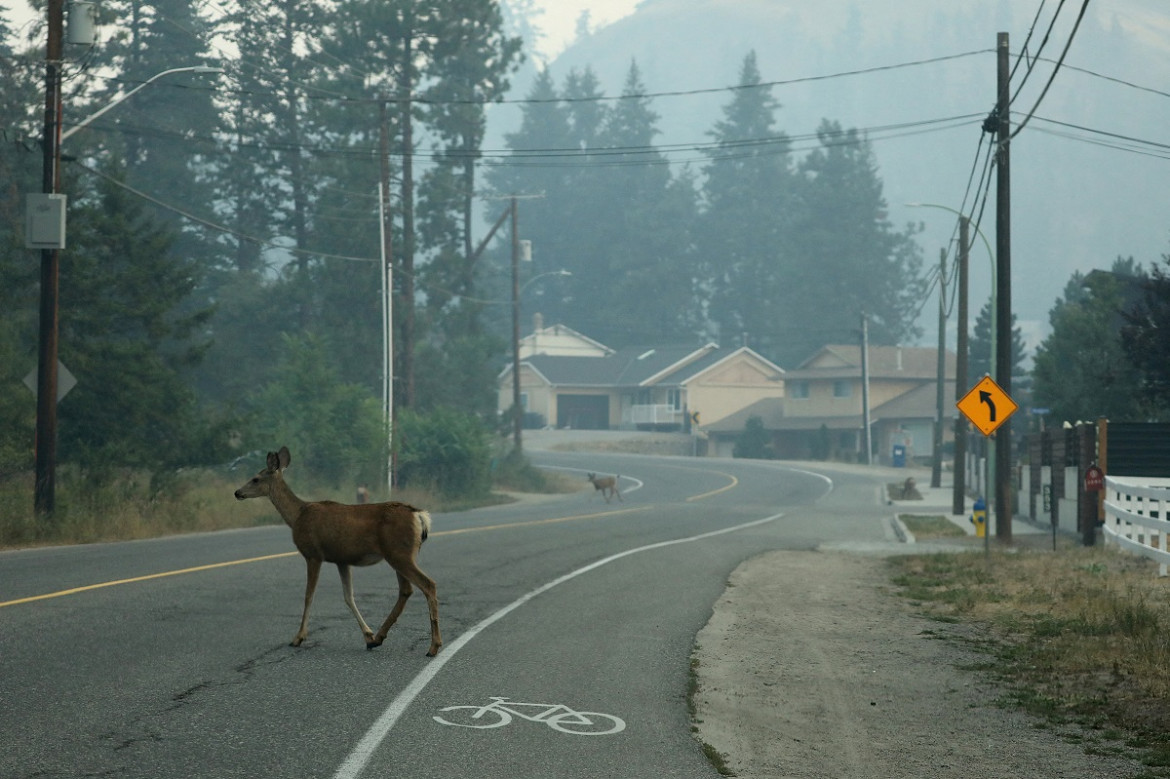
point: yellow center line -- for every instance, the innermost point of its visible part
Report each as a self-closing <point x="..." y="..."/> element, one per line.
<point x="551" y="521"/>
<point x="148" y="577"/>
<point x="725" y="488"/>
<point x="212" y="566"/>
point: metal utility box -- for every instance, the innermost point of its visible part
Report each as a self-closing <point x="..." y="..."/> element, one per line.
<point x="44" y="221"/>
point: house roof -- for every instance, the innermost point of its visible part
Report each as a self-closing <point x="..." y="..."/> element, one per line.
<point x="885" y="362"/>
<point x="771" y="413"/>
<point x="561" y="340"/>
<point x="635" y="366"/>
<point x="918" y="403"/>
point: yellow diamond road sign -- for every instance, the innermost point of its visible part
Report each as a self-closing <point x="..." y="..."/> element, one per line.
<point x="987" y="406"/>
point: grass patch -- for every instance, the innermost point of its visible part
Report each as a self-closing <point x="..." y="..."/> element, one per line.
<point x="717" y="759"/>
<point x="127" y="504"/>
<point x="1078" y="637"/>
<point x="931" y="526"/>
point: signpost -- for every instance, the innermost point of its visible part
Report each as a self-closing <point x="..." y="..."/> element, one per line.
<point x="988" y="407"/>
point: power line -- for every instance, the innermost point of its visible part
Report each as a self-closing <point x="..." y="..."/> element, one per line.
<point x="1024" y="49"/>
<point x="1055" y="70"/>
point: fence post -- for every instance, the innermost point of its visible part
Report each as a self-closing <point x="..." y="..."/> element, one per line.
<point x="1086" y="501"/>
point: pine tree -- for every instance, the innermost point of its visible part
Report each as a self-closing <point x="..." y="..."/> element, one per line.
<point x="846" y="251"/>
<point x="1081" y="371"/>
<point x="124" y="333"/>
<point x="980" y="342"/>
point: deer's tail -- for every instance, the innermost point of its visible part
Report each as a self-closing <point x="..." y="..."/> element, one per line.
<point x="424" y="521"/>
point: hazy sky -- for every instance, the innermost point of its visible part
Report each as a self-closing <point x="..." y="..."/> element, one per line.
<point x="559" y="19"/>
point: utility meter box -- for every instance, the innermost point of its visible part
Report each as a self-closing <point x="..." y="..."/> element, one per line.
<point x="44" y="221"/>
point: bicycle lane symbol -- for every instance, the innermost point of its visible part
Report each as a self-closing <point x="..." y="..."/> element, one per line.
<point x="557" y="716"/>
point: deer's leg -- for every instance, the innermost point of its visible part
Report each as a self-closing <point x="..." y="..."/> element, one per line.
<point x="404" y="592"/>
<point x="347" y="592"/>
<point x="427" y="585"/>
<point x="314" y="567"/>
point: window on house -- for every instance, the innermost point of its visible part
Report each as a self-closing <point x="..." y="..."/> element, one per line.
<point x="523" y="401"/>
<point x="674" y="399"/>
<point x="798" y="389"/>
<point x="842" y="388"/>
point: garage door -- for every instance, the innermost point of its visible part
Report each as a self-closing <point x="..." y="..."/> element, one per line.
<point x="583" y="412"/>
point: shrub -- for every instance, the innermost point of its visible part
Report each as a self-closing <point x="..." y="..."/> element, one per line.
<point x="753" y="441"/>
<point x="445" y="451"/>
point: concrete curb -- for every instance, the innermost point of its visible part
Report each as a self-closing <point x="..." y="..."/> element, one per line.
<point x="901" y="531"/>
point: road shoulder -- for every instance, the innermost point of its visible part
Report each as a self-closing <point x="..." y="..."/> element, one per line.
<point x="812" y="667"/>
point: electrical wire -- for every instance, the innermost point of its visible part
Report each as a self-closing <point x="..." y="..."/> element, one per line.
<point x="1024" y="50"/>
<point x="1055" y="70"/>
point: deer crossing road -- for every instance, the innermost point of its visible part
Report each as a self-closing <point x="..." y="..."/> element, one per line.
<point x="180" y="664"/>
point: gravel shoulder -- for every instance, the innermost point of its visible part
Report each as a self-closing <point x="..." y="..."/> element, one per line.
<point x="812" y="667"/>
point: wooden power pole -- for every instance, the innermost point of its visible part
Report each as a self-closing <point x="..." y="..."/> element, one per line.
<point x="1003" y="290"/>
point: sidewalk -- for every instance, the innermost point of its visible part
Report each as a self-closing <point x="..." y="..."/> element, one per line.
<point x="938" y="501"/>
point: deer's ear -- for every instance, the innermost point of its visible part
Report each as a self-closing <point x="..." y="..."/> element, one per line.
<point x="285" y="457"/>
<point x="273" y="462"/>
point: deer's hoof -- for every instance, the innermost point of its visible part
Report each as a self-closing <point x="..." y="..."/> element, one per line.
<point x="374" y="644"/>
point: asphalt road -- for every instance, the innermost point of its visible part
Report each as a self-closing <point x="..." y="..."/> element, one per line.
<point x="569" y="602"/>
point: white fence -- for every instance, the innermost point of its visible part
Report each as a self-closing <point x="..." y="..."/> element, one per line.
<point x="1134" y="511"/>
<point x="652" y="414"/>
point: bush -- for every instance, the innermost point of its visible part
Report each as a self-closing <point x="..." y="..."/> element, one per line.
<point x="753" y="441"/>
<point x="445" y="451"/>
<point x="334" y="429"/>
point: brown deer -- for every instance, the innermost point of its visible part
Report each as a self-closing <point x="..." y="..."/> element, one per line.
<point x="607" y="485"/>
<point x="328" y="532"/>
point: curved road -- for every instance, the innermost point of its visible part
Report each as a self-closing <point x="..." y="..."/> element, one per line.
<point x="170" y="657"/>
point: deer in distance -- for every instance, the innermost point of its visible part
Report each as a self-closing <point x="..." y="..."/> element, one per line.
<point x="606" y="485"/>
<point x="329" y="532"/>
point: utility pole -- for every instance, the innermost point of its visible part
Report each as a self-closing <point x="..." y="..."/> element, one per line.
<point x="44" y="489"/>
<point x="867" y="436"/>
<point x="408" y="218"/>
<point x="1003" y="291"/>
<point x="387" y="281"/>
<point x="936" y="461"/>
<point x="517" y="412"/>
<point x="959" y="496"/>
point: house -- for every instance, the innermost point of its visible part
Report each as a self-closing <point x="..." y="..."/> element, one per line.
<point x="821" y="413"/>
<point x="637" y="388"/>
<point x="559" y="340"/>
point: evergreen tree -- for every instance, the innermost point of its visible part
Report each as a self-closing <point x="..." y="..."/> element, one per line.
<point x="642" y="219"/>
<point x="21" y="96"/>
<point x="163" y="134"/>
<point x="979" y="345"/>
<point x="1081" y="371"/>
<point x="124" y="334"/>
<point x="1144" y="335"/>
<point x="846" y="252"/>
<point x="745" y="235"/>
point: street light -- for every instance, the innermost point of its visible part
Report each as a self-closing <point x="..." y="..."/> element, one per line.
<point x="192" y="69"/>
<point x="45" y="445"/>
<point x="961" y="372"/>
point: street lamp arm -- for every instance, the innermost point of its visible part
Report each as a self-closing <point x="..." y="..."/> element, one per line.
<point x="958" y="213"/>
<point x="84" y="122"/>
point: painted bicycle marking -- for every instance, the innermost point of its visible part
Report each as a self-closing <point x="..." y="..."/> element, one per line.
<point x="557" y="716"/>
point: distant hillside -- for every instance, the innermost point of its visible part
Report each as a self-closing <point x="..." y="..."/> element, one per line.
<point x="1076" y="205"/>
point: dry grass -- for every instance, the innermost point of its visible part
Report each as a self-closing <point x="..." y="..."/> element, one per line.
<point x="127" y="505"/>
<point x="1079" y="635"/>
<point x="931" y="526"/>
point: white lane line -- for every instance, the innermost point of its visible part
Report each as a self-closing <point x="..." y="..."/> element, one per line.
<point x="638" y="483"/>
<point x="361" y="754"/>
